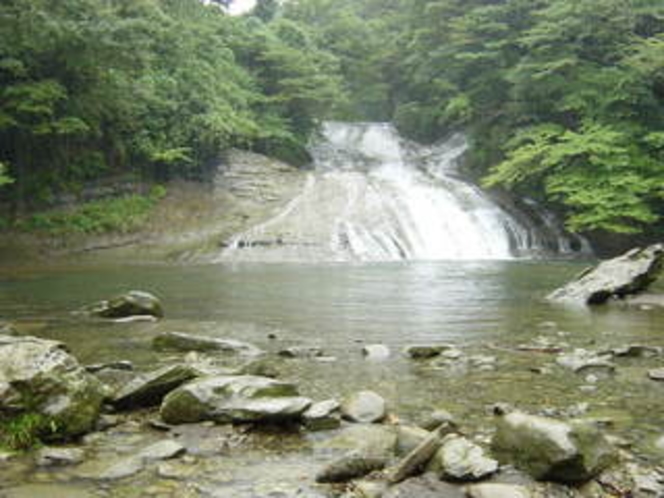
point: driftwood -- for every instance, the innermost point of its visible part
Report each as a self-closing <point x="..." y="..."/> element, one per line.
<point x="418" y="457"/>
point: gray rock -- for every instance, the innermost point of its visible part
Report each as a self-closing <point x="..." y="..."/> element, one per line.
<point x="376" y="352"/>
<point x="40" y="376"/>
<point x="187" y="342"/>
<point x="322" y="416"/>
<point x="459" y="459"/>
<point x="635" y="351"/>
<point x="426" y="486"/>
<point x="301" y="352"/>
<point x="364" y="407"/>
<point x="424" y="351"/>
<point x="408" y="438"/>
<point x="495" y="490"/>
<point x="150" y="389"/>
<point x="365" y="439"/>
<point x="436" y="418"/>
<point x="549" y="449"/>
<point x="59" y="457"/>
<point x="656" y="374"/>
<point x="369" y="488"/>
<point x="162" y="450"/>
<point x="242" y="398"/>
<point x="350" y="466"/>
<point x="630" y="273"/>
<point x="132" y="303"/>
<point x="659" y="444"/>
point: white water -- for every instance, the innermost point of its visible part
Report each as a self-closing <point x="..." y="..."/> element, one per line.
<point x="376" y="197"/>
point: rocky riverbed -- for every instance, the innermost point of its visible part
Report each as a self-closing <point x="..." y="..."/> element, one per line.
<point x="219" y="416"/>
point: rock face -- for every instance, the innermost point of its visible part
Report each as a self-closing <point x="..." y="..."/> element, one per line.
<point x="364" y="407"/>
<point x="188" y="342"/>
<point x="40" y="376"/>
<point x="628" y="274"/>
<point x="243" y="398"/>
<point x="549" y="449"/>
<point x="132" y="303"/>
<point x="150" y="389"/>
<point x="459" y="459"/>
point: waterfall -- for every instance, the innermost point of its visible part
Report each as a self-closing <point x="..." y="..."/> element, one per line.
<point x="374" y="196"/>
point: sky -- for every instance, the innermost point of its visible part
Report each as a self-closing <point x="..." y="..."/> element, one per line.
<point x="240" y="6"/>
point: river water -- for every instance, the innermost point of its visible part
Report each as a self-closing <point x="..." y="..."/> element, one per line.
<point x="484" y="308"/>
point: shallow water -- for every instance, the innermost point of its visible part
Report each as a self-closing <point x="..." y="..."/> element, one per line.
<point x="486" y="308"/>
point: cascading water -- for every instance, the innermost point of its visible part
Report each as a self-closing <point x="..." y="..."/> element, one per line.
<point x="373" y="196"/>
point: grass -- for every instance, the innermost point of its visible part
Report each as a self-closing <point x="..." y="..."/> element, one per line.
<point x="26" y="431"/>
<point x="119" y="215"/>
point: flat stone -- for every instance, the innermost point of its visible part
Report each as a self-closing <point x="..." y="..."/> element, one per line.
<point x="149" y="389"/>
<point x="364" y="407"/>
<point x="59" y="457"/>
<point x="162" y="450"/>
<point x="122" y="469"/>
<point x="436" y="418"/>
<point x="376" y="352"/>
<point x="188" y="342"/>
<point x="586" y="362"/>
<point x="240" y="398"/>
<point x="322" y="416"/>
<point x="494" y="490"/>
<point x="656" y="374"/>
<point x="350" y="466"/>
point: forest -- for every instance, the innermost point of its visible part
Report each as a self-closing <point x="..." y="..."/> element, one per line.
<point x="563" y="100"/>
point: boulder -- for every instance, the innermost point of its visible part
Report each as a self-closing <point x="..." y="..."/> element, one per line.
<point x="149" y="389"/>
<point x="188" y="342"/>
<point x="241" y="398"/>
<point x="426" y="351"/>
<point x="40" y="377"/>
<point x="129" y="304"/>
<point x="550" y="449"/>
<point x="630" y="273"/>
<point x="322" y="416"/>
<point x="364" y="407"/>
<point x="459" y="459"/>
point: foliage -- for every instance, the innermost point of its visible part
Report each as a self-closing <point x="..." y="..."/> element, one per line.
<point x="563" y="99"/>
<point x="90" y="88"/>
<point x="25" y="431"/>
<point x="121" y="214"/>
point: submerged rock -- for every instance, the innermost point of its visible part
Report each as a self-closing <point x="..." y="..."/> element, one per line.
<point x="426" y="351"/>
<point x="656" y="374"/>
<point x="350" y="466"/>
<point x="426" y="486"/>
<point x="40" y="377"/>
<point x="130" y="304"/>
<point x="582" y="361"/>
<point x="59" y="457"/>
<point x="243" y="398"/>
<point x="495" y="490"/>
<point x="162" y="450"/>
<point x="188" y="342"/>
<point x="150" y="389"/>
<point x="301" y="352"/>
<point x="364" y="407"/>
<point x="549" y="449"/>
<point x="366" y="439"/>
<point x="459" y="459"/>
<point x="630" y="273"/>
